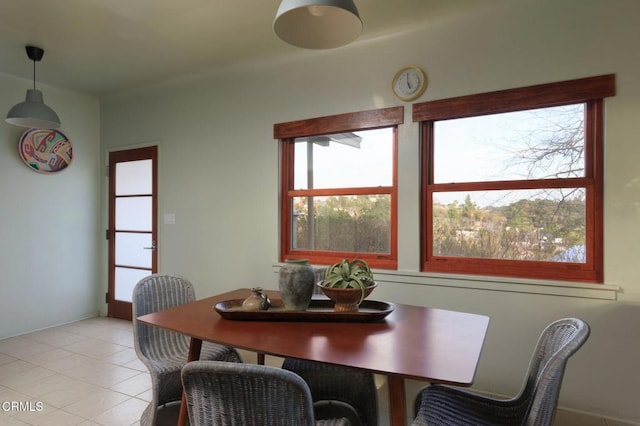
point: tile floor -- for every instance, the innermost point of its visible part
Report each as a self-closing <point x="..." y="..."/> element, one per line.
<point x="87" y="373"/>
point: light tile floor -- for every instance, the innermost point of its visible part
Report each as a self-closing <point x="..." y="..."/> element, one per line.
<point x="87" y="373"/>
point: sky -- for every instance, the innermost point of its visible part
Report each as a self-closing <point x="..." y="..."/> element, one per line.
<point x="470" y="149"/>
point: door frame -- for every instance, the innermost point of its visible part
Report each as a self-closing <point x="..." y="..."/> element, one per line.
<point x="118" y="308"/>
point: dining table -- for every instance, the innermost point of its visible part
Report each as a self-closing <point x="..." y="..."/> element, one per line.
<point x="400" y="342"/>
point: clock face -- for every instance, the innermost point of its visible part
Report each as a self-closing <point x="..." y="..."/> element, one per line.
<point x="409" y="83"/>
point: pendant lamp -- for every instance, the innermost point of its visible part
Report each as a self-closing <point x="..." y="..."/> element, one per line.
<point x="33" y="112"/>
<point x="317" y="24"/>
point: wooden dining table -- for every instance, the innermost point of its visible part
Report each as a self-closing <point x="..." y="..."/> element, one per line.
<point x="411" y="342"/>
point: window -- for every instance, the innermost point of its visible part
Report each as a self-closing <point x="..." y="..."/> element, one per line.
<point x="339" y="187"/>
<point x="512" y="181"/>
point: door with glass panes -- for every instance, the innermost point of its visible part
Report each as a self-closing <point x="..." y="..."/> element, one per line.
<point x="132" y="233"/>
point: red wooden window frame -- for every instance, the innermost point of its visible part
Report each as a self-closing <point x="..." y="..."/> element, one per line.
<point x="349" y="122"/>
<point x="589" y="91"/>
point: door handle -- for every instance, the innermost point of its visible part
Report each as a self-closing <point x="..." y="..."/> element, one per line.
<point x="153" y="246"/>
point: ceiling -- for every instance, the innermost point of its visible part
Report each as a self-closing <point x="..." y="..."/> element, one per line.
<point x="101" y="47"/>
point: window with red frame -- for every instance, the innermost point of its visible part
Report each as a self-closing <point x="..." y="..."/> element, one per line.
<point x="339" y="187"/>
<point x="512" y="181"/>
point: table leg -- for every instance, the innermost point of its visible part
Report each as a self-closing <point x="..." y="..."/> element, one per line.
<point x="194" y="353"/>
<point x="261" y="358"/>
<point x="397" y="401"/>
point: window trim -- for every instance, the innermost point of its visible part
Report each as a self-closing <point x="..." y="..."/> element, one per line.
<point x="340" y="123"/>
<point x="591" y="91"/>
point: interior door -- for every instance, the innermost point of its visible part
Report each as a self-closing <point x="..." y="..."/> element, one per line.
<point x="133" y="228"/>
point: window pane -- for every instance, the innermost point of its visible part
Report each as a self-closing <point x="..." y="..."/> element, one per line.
<point x="343" y="223"/>
<point x="547" y="225"/>
<point x="131" y="249"/>
<point x="344" y="160"/>
<point x="546" y="143"/>
<point x="126" y="280"/>
<point x="134" y="213"/>
<point x="134" y="177"/>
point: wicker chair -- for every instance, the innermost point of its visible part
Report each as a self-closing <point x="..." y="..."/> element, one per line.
<point x="536" y="402"/>
<point x="165" y="352"/>
<point x="332" y="385"/>
<point x="228" y="394"/>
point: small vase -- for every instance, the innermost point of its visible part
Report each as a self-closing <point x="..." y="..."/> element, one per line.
<point x="296" y="283"/>
<point x="258" y="301"/>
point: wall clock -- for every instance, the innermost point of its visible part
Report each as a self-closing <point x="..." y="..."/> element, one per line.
<point x="45" y="150"/>
<point x="409" y="83"/>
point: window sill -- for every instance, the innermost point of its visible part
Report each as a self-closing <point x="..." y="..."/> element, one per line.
<point x="510" y="285"/>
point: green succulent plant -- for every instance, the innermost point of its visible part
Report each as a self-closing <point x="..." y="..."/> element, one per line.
<point x="349" y="274"/>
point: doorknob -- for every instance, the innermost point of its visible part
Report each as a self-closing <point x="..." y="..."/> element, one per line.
<point x="153" y="246"/>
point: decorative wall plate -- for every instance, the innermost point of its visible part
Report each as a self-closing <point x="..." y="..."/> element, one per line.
<point x="45" y="150"/>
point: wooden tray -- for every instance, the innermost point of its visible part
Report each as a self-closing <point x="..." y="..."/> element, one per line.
<point x="319" y="310"/>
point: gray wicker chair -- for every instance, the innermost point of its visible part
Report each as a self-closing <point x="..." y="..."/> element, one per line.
<point x="331" y="383"/>
<point x="228" y="394"/>
<point x="162" y="351"/>
<point x="536" y="402"/>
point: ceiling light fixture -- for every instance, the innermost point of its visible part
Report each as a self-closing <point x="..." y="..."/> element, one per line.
<point x="33" y="112"/>
<point x="317" y="24"/>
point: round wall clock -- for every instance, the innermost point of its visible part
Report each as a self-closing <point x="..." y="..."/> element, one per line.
<point x="45" y="150"/>
<point x="409" y="83"/>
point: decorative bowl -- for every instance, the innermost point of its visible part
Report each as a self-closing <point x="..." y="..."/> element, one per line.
<point x="346" y="299"/>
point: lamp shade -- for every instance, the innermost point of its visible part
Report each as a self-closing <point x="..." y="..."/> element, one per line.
<point x="317" y="24"/>
<point x="33" y="113"/>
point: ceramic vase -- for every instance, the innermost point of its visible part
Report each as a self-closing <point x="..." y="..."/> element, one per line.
<point x="296" y="283"/>
<point x="258" y="301"/>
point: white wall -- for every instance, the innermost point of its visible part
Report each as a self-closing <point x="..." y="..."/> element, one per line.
<point x="219" y="171"/>
<point x="49" y="252"/>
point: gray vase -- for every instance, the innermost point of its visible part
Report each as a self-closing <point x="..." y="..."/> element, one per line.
<point x="296" y="283"/>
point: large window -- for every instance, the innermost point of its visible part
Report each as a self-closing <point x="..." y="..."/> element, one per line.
<point x="339" y="187"/>
<point x="512" y="181"/>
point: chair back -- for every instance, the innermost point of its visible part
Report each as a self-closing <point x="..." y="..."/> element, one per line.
<point x="333" y="383"/>
<point x="559" y="341"/>
<point x="154" y="293"/>
<point x="319" y="272"/>
<point x="231" y="394"/>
